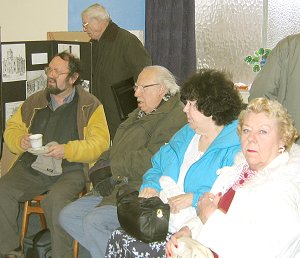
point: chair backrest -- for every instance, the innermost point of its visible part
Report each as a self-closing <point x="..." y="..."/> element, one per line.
<point x="124" y="96"/>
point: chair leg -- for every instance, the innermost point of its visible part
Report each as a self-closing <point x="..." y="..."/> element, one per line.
<point x="43" y="221"/>
<point x="24" y="223"/>
<point x="39" y="211"/>
<point x="42" y="217"/>
<point x="76" y="248"/>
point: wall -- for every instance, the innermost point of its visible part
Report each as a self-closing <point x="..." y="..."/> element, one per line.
<point x="128" y="14"/>
<point x="31" y="19"/>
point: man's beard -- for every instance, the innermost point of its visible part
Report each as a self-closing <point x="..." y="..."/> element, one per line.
<point x="54" y="90"/>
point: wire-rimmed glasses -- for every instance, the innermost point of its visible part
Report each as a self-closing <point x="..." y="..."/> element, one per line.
<point x="54" y="72"/>
<point x="143" y="87"/>
<point x="84" y="25"/>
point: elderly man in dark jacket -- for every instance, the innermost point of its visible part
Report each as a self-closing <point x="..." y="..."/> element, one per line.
<point x="117" y="55"/>
<point x="158" y="116"/>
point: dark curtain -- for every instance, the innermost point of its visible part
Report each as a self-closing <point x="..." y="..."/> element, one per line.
<point x="170" y="35"/>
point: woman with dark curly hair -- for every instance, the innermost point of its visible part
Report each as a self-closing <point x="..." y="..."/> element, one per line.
<point x="214" y="94"/>
<point x="185" y="168"/>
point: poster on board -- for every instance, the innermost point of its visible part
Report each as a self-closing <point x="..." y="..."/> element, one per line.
<point x="13" y="62"/>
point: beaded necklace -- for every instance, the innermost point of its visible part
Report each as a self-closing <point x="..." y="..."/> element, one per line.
<point x="245" y="176"/>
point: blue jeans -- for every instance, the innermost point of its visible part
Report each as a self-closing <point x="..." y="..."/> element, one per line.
<point x="89" y="224"/>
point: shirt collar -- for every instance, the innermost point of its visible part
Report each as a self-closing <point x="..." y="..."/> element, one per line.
<point x="53" y="103"/>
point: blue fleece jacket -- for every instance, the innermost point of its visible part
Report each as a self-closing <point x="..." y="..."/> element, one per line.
<point x="202" y="174"/>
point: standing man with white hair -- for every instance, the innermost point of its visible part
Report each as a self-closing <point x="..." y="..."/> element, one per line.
<point x="158" y="116"/>
<point x="117" y="56"/>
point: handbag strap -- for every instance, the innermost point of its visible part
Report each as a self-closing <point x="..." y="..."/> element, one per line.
<point x="124" y="191"/>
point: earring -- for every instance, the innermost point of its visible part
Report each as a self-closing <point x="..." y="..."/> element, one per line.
<point x="281" y="149"/>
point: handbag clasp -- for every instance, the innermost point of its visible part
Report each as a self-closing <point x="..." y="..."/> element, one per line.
<point x="159" y="213"/>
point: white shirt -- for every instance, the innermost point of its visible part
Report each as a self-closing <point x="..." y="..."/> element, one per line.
<point x="191" y="155"/>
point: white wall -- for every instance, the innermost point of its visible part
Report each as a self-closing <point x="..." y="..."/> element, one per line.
<point x="24" y="20"/>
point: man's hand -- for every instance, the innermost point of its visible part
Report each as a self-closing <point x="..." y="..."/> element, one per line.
<point x="25" y="142"/>
<point x="56" y="151"/>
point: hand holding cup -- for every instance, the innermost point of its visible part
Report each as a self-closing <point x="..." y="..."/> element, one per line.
<point x="36" y="141"/>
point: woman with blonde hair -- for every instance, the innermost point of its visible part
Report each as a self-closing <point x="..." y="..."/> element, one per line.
<point x="253" y="207"/>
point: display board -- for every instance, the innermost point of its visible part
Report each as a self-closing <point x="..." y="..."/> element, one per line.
<point x="22" y="69"/>
<point x="1" y="128"/>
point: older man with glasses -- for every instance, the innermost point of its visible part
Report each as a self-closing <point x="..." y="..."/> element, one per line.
<point x="118" y="55"/>
<point x="158" y="116"/>
<point x="72" y="118"/>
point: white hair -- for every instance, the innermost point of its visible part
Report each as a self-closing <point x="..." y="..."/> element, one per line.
<point x="165" y="78"/>
<point x="96" y="11"/>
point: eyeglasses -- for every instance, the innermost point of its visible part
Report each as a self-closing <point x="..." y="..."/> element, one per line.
<point x="54" y="72"/>
<point x="143" y="87"/>
<point x="84" y="25"/>
<point x="191" y="103"/>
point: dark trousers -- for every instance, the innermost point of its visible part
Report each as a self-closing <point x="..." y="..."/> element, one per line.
<point x="22" y="183"/>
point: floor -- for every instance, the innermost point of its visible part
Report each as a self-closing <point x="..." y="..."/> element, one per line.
<point x="34" y="227"/>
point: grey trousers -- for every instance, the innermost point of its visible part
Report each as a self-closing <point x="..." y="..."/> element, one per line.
<point x="22" y="183"/>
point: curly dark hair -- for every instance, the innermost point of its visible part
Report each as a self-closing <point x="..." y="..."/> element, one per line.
<point x="215" y="94"/>
<point x="74" y="65"/>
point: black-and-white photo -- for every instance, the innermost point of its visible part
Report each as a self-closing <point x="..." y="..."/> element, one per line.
<point x="70" y="48"/>
<point x="13" y="62"/>
<point x="36" y="81"/>
<point x="86" y="85"/>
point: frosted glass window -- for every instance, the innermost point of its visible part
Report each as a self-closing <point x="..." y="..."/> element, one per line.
<point x="283" y="20"/>
<point x="226" y="32"/>
<point x="229" y="30"/>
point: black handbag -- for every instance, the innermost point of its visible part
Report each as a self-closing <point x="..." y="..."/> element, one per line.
<point x="38" y="245"/>
<point x="146" y="219"/>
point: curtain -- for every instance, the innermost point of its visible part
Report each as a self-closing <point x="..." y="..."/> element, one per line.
<point x="170" y="35"/>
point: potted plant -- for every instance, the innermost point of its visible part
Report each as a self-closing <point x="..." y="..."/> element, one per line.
<point x="258" y="59"/>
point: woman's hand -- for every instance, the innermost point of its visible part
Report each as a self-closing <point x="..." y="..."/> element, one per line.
<point x="173" y="242"/>
<point x="148" y="192"/>
<point x="207" y="204"/>
<point x="180" y="202"/>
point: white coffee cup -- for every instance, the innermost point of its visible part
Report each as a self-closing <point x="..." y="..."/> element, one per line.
<point x="36" y="140"/>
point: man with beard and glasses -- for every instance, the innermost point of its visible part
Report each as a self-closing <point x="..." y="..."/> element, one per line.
<point x="71" y="119"/>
